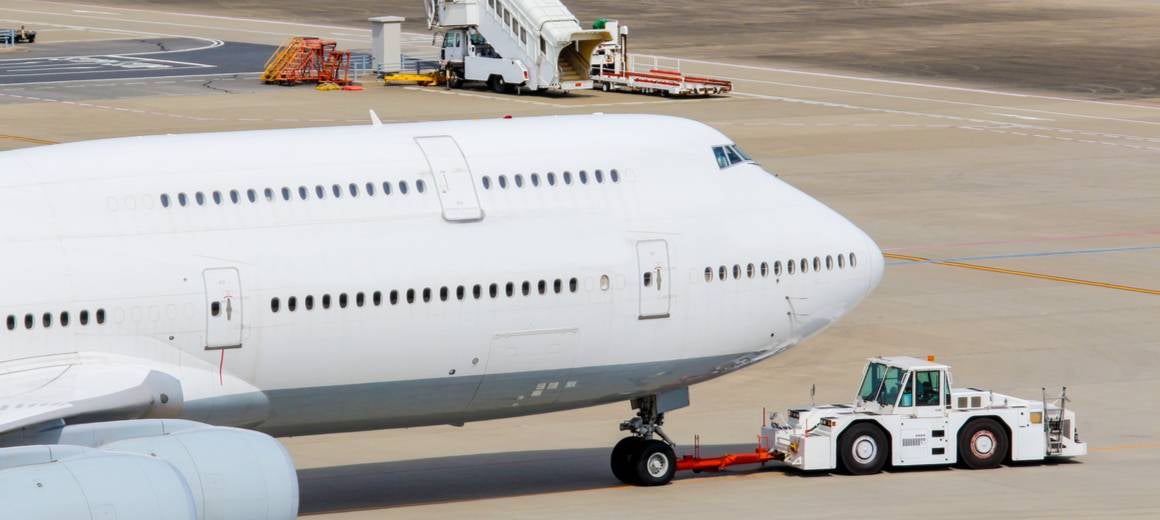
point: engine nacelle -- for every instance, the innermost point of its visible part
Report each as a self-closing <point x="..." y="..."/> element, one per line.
<point x="147" y="469"/>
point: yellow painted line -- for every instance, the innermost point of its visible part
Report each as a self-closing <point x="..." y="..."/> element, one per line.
<point x="32" y="140"/>
<point x="1024" y="273"/>
<point x="1122" y="447"/>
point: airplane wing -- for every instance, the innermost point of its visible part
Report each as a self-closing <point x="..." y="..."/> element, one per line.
<point x="100" y="386"/>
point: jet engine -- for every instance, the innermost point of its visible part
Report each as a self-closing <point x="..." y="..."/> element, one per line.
<point x="146" y="469"/>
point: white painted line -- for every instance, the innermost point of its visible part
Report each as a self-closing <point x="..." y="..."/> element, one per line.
<point x="2" y="86"/>
<point x="911" y="83"/>
<point x="212" y="42"/>
<point x="1017" y="116"/>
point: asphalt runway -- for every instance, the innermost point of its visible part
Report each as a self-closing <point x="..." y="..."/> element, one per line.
<point x="135" y="59"/>
<point x="1020" y="215"/>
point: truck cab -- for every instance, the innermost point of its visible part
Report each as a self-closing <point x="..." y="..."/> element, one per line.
<point x="906" y="413"/>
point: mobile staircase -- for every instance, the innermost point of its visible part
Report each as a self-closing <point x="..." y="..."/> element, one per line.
<point x="513" y="44"/>
<point x="308" y="60"/>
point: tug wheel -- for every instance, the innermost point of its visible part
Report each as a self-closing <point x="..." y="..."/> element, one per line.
<point x="655" y="463"/>
<point x="863" y="449"/>
<point x="621" y="459"/>
<point x="983" y="444"/>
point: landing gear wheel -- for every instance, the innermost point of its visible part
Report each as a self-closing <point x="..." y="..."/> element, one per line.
<point x="863" y="449"/>
<point x="621" y="459"/>
<point x="982" y="444"/>
<point x="655" y="463"/>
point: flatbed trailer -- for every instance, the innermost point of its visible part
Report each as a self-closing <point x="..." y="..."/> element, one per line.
<point x="614" y="69"/>
<point x="907" y="414"/>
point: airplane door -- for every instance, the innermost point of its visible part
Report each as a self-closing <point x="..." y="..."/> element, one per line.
<point x="223" y="301"/>
<point x="653" y="280"/>
<point x="453" y="181"/>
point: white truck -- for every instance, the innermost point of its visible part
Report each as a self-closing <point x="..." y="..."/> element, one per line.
<point x="513" y="44"/>
<point x="907" y="414"/>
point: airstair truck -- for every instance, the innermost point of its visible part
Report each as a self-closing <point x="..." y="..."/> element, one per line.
<point x="513" y="44"/>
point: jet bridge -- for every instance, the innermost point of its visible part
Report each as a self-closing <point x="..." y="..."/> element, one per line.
<point x="535" y="44"/>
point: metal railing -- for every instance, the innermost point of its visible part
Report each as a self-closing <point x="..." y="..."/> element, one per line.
<point x="645" y="63"/>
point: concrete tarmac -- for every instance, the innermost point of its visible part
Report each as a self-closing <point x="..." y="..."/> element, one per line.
<point x="1021" y="220"/>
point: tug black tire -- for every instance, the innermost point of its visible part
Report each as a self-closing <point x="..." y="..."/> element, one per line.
<point x="983" y="444"/>
<point x="863" y="449"/>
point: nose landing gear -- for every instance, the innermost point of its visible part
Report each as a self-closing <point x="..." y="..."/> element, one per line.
<point x="640" y="459"/>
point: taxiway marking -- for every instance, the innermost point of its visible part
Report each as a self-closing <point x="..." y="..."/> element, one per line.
<point x="1027" y="274"/>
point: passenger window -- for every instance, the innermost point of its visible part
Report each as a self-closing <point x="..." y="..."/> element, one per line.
<point x="234" y="197"/>
<point x="336" y="190"/>
<point x="510" y="289"/>
<point x="551" y="179"/>
<point x="841" y="261"/>
<point x="535" y="179"/>
<point x="403" y="187"/>
<point x="200" y="198"/>
<point x="567" y="177"/>
<point x="853" y="260"/>
<point x="386" y="187"/>
<point x="29" y="321"/>
<point x="410" y="296"/>
<point x="64" y="319"/>
<point x="722" y="273"/>
<point x="736" y="271"/>
<point x="829" y="263"/>
<point x="269" y="193"/>
<point x="583" y="177"/>
<point x="519" y="181"/>
<point x="370" y="186"/>
<point x="764" y="269"/>
<point x="252" y="195"/>
<point x="476" y="291"/>
<point x="526" y="288"/>
<point x="342" y="301"/>
<point x="493" y="290"/>
<point x="599" y="175"/>
<point x="790" y="267"/>
<point x="394" y="297"/>
<point x="777" y="268"/>
<point x="274" y="305"/>
<point x="302" y="193"/>
<point x="326" y="301"/>
<point x="749" y="271"/>
<point x="614" y="176"/>
<point x="420" y="186"/>
<point x="426" y="294"/>
<point x="558" y="285"/>
<point x="648" y="279"/>
<point x="486" y="182"/>
<point x="308" y="302"/>
<point x="164" y="200"/>
<point x="100" y="316"/>
<point x="46" y="320"/>
<point x="460" y="292"/>
<point x="320" y="192"/>
<point x="217" y="197"/>
<point x="443" y="294"/>
<point x="542" y="287"/>
<point x="360" y="299"/>
<point x="817" y="264"/>
<point x="286" y="194"/>
<point x="708" y="274"/>
<point x="181" y="199"/>
<point x="503" y="181"/>
<point x="377" y="298"/>
<point x="805" y="266"/>
<point x="11" y="322"/>
<point x="927" y="388"/>
<point x="353" y="189"/>
<point x="215" y="309"/>
<point x="573" y="284"/>
<point x="292" y="303"/>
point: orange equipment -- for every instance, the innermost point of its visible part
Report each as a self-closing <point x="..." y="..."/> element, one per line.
<point x="697" y="464"/>
<point x="308" y="60"/>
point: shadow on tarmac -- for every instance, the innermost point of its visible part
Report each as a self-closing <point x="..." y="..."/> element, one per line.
<point x="471" y="477"/>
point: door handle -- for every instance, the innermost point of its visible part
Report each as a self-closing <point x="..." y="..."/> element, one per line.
<point x="658" y="270"/>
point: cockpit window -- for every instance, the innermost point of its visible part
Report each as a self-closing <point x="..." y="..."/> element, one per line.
<point x="728" y="155"/>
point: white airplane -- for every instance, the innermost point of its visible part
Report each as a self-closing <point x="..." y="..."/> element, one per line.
<point x="170" y="302"/>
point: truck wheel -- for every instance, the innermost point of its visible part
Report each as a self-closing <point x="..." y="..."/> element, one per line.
<point x="863" y="449"/>
<point x="497" y="84"/>
<point x="982" y="444"/>
<point x="604" y="86"/>
<point x="621" y="459"/>
<point x="655" y="463"/>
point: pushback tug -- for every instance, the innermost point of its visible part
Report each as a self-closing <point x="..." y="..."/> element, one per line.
<point x="905" y="414"/>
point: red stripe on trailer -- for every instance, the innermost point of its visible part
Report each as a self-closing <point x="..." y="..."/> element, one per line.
<point x="695" y="462"/>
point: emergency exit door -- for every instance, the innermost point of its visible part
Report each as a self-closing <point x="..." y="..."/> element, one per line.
<point x="223" y="302"/>
<point x="653" y="278"/>
<point x="453" y="181"/>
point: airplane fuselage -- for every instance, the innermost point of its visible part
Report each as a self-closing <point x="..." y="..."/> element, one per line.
<point x="274" y="275"/>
